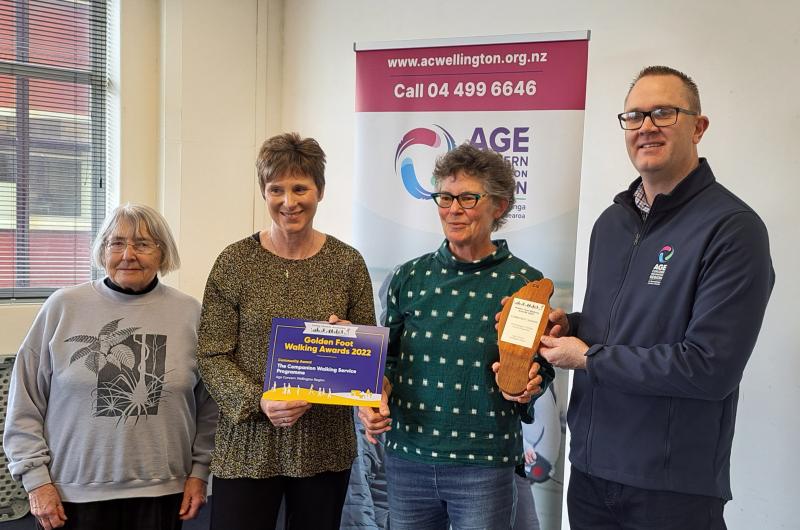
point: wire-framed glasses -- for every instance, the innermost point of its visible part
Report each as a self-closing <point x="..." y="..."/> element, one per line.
<point x="140" y="246"/>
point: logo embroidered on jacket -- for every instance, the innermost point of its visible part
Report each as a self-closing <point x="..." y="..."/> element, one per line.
<point x="660" y="268"/>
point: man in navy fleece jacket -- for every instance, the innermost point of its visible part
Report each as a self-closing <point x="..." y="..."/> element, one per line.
<point x="678" y="280"/>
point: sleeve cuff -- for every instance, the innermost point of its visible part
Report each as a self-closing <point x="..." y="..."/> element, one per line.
<point x="37" y="476"/>
<point x="574" y="320"/>
<point x="591" y="358"/>
<point x="248" y="407"/>
<point x="200" y="471"/>
<point x="525" y="411"/>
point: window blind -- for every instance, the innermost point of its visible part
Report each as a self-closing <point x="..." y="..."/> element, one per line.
<point x="53" y="83"/>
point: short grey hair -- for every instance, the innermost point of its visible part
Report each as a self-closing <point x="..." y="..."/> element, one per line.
<point x="138" y="216"/>
<point x="495" y="173"/>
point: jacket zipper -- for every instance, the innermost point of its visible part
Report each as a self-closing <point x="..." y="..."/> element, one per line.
<point x="667" y="448"/>
<point x="636" y="238"/>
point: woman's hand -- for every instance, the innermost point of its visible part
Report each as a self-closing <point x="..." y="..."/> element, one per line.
<point x="333" y="319"/>
<point x="284" y="413"/>
<point x="46" y="507"/>
<point x="377" y="421"/>
<point x="533" y="388"/>
<point x="194" y="497"/>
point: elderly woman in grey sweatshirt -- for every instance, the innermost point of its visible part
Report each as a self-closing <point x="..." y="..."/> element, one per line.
<point x="108" y="424"/>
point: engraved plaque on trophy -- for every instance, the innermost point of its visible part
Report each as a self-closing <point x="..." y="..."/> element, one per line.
<point x="522" y="323"/>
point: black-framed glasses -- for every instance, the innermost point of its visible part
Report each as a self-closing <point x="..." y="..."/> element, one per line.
<point x="140" y="246"/>
<point x="660" y="116"/>
<point x="466" y="200"/>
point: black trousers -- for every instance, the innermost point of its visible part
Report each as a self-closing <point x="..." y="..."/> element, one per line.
<point x="598" y="504"/>
<point x="137" y="513"/>
<point x="312" y="503"/>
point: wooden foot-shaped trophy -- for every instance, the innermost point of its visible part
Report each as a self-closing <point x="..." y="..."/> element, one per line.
<point x="522" y="323"/>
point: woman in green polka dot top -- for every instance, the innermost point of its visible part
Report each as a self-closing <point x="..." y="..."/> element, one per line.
<point x="452" y="437"/>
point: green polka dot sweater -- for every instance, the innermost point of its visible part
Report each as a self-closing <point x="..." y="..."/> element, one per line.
<point x="445" y="404"/>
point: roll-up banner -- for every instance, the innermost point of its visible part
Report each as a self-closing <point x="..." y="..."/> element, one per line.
<point x="520" y="95"/>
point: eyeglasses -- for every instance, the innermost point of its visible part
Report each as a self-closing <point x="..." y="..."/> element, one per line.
<point x="140" y="246"/>
<point x="465" y="200"/>
<point x="660" y="116"/>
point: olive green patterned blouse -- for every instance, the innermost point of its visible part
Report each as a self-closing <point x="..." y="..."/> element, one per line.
<point x="246" y="288"/>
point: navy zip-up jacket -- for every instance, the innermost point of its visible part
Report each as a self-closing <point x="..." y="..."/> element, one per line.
<point x="672" y="311"/>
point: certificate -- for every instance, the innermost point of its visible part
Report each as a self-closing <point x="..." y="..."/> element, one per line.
<point x="523" y="322"/>
<point x="330" y="364"/>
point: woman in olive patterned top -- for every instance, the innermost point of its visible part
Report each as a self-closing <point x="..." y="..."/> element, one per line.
<point x="266" y="450"/>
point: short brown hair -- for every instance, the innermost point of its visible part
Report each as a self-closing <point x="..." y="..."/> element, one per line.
<point x="692" y="91"/>
<point x="288" y="153"/>
<point x="495" y="173"/>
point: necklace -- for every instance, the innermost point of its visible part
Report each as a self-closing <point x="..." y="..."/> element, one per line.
<point x="305" y="253"/>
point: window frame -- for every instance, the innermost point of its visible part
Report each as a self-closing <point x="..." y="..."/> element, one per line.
<point x="96" y="81"/>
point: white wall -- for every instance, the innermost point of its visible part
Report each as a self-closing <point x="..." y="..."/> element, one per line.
<point x="209" y="93"/>
<point x="220" y="95"/>
<point x="743" y="56"/>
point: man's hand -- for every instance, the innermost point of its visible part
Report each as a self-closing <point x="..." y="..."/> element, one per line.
<point x="557" y="325"/>
<point x="377" y="421"/>
<point x="284" y="413"/>
<point x="46" y="507"/>
<point x="194" y="497"/>
<point x="564" y="352"/>
<point x="533" y="388"/>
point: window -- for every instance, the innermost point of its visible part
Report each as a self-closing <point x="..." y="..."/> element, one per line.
<point x="53" y="83"/>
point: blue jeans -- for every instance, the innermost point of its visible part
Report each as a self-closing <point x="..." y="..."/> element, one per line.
<point x="598" y="504"/>
<point x="429" y="496"/>
<point x="525" y="516"/>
